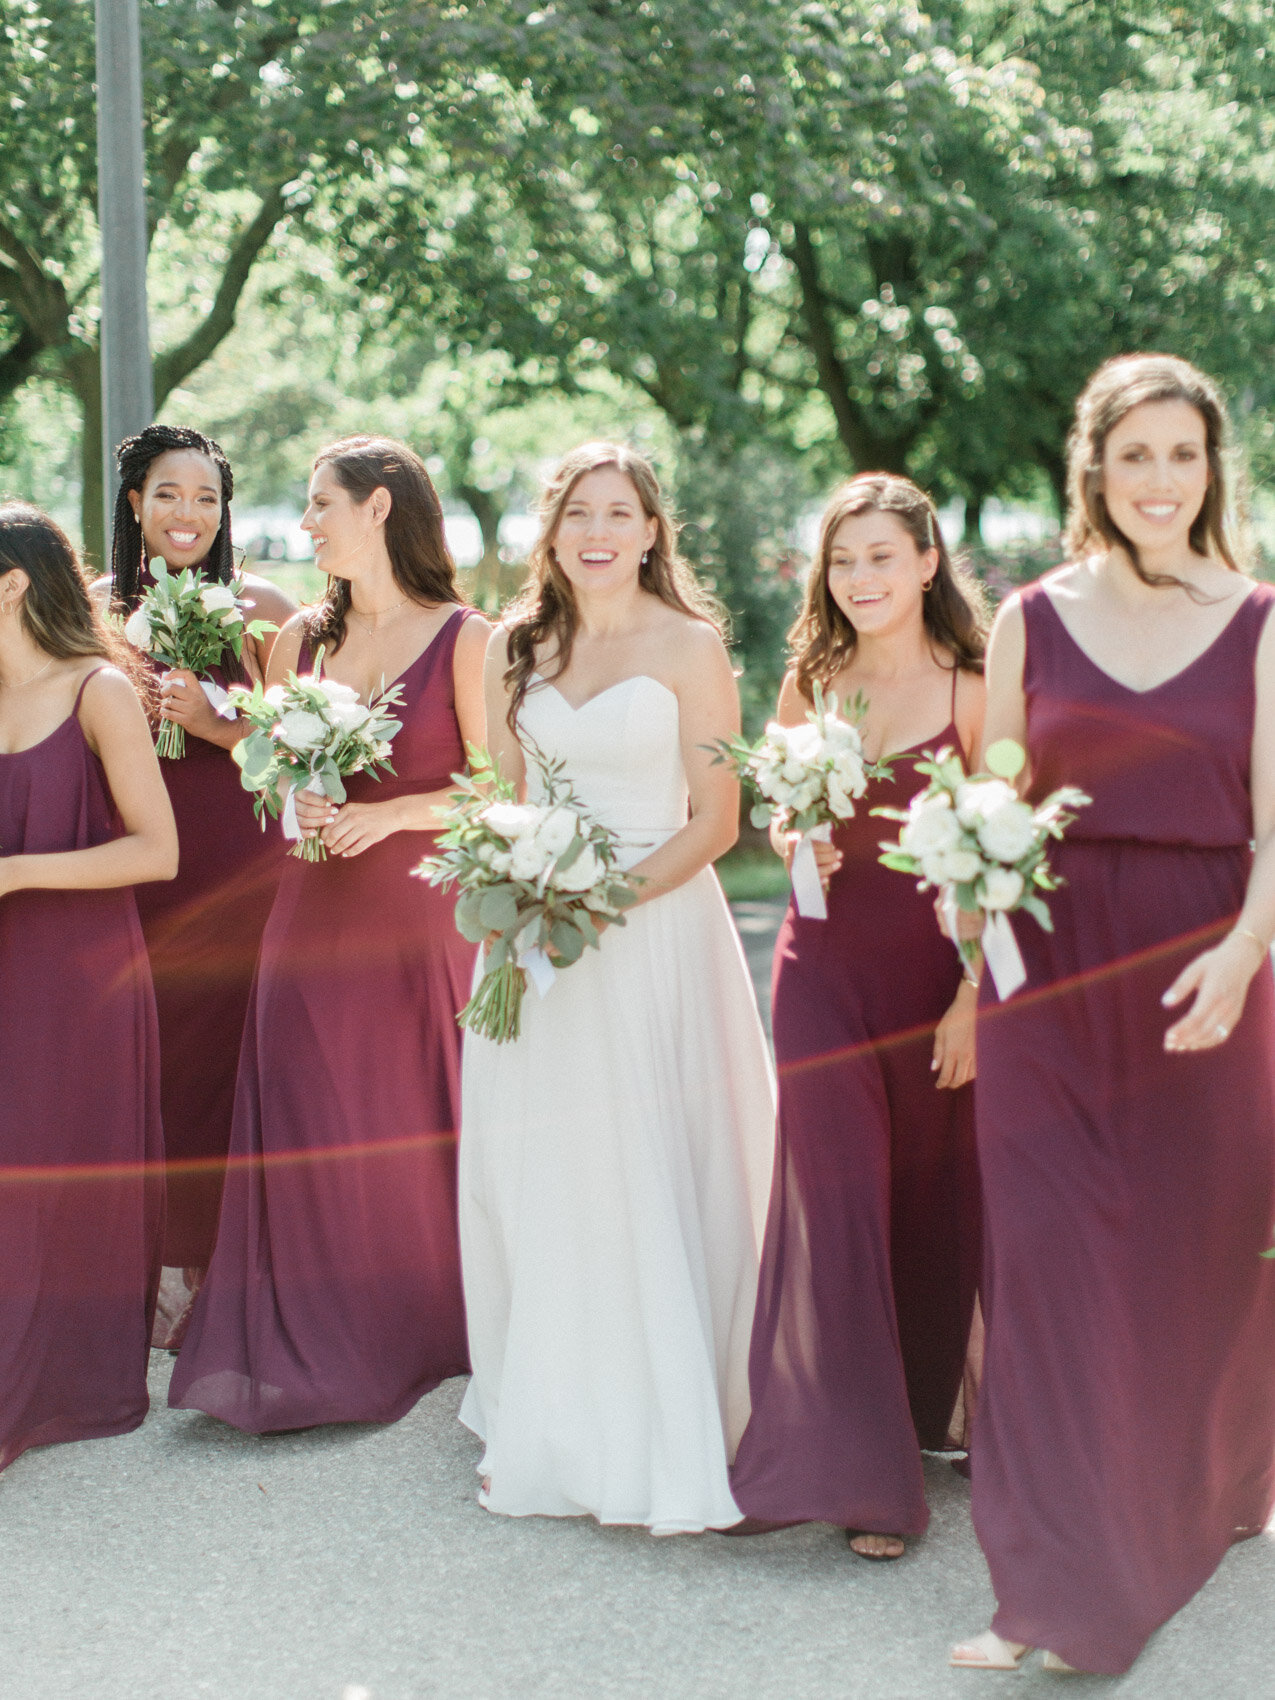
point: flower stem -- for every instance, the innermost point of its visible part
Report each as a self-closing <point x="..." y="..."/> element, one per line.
<point x="171" y="742"/>
<point x="494" y="1011"/>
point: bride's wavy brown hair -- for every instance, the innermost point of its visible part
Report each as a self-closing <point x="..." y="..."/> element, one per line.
<point x="1116" y="388"/>
<point x="546" y="609"/>
<point x="822" y="640"/>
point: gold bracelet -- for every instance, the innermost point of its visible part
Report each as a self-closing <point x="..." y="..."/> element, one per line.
<point x="1247" y="933"/>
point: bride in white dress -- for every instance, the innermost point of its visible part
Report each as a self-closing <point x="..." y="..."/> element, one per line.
<point x="615" y="1159"/>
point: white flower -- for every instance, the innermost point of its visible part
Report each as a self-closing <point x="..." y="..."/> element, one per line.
<point x="803" y="742"/>
<point x="1009" y="833"/>
<point x="528" y="859"/>
<point x="500" y="861"/>
<point x="806" y="794"/>
<point x="979" y="798"/>
<point x="839" y="801"/>
<point x="137" y="629"/>
<point x="301" y="730"/>
<point x="215" y="596"/>
<point x="335" y="691"/>
<point x="959" y="866"/>
<point x="556" y="831"/>
<point x="511" y="820"/>
<point x="274" y="695"/>
<point x="584" y="872"/>
<point x="841" y="735"/>
<point x="349" y="716"/>
<point x="1001" y="888"/>
<point x="848" y="769"/>
<point x="930" y="829"/>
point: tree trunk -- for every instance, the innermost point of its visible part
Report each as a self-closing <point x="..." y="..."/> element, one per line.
<point x="490" y="575"/>
<point x="972" y="531"/>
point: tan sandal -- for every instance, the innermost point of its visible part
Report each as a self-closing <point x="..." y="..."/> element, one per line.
<point x="987" y="1652"/>
<point x="1051" y="1661"/>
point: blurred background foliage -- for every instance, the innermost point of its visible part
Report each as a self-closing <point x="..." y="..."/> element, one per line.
<point x="770" y="243"/>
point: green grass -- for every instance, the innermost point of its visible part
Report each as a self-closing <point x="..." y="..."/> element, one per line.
<point x="750" y="874"/>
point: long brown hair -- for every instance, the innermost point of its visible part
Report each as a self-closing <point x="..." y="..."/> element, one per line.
<point x="546" y="606"/>
<point x="1116" y="388"/>
<point x="414" y="537"/>
<point x="954" y="610"/>
<point x="57" y="611"/>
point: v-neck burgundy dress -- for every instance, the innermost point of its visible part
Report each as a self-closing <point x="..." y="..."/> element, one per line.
<point x="1125" y="1433"/>
<point x="81" y="1150"/>
<point x="873" y="1241"/>
<point x="334" y="1293"/>
<point x="203" y="931"/>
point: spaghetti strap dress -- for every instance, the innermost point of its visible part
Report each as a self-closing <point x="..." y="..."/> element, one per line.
<point x="81" y="1148"/>
<point x="334" y="1293"/>
<point x="203" y="931"/>
<point x="873" y="1240"/>
<point x="1125" y="1434"/>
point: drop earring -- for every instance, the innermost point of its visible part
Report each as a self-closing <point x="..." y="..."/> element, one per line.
<point x="646" y="555"/>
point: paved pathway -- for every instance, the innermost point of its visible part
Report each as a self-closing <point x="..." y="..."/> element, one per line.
<point x="188" y="1561"/>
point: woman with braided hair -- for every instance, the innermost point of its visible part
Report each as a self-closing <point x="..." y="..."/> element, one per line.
<point x="204" y="928"/>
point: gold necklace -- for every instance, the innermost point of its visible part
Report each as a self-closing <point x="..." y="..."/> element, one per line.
<point x="376" y="614"/>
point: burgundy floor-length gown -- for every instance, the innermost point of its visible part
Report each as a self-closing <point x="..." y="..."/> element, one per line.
<point x="1125" y="1434"/>
<point x="334" y="1292"/>
<point x="872" y="1248"/>
<point x="81" y="1150"/>
<point x="203" y="931"/>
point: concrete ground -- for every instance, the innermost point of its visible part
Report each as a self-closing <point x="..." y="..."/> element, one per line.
<point x="187" y="1561"/>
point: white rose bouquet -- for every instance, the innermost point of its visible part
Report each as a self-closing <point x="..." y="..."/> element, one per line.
<point x="977" y="841"/>
<point x="186" y="622"/>
<point x="807" y="777"/>
<point x="540" y="876"/>
<point x="314" y="732"/>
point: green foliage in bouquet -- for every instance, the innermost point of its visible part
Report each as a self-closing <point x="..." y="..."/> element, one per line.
<point x="311" y="732"/>
<point x="189" y="622"/>
<point x="532" y="877"/>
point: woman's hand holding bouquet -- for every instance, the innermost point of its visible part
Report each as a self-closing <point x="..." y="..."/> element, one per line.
<point x="537" y="881"/>
<point x="310" y="734"/>
<point x="984" y="849"/>
<point x="190" y="624"/>
<point x="806" y="779"/>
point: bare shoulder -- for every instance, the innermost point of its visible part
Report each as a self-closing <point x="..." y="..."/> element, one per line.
<point x="100" y="591"/>
<point x="287" y="649"/>
<point x="792" y="707"/>
<point x="693" y="644"/>
<point x="109" y="695"/>
<point x="474" y="638"/>
<point x="497" y="640"/>
<point x="1072" y="582"/>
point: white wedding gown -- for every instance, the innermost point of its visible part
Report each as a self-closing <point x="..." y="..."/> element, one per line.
<point x="614" y="1172"/>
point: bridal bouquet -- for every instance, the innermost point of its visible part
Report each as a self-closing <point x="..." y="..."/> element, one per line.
<point x="807" y="777"/>
<point x="539" y="876"/>
<point x="313" y="732"/>
<point x="186" y="622"/>
<point x="979" y="843"/>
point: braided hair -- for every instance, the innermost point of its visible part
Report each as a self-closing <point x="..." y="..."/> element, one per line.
<point x="134" y="458"/>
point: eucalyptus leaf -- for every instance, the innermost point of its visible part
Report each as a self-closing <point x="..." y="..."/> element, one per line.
<point x="498" y="908"/>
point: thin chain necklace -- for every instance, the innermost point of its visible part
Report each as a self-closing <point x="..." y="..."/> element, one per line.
<point x="23" y="682"/>
<point x="376" y="613"/>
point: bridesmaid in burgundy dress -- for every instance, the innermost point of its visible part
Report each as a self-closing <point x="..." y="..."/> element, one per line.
<point x="872" y="1248"/>
<point x="83" y="817"/>
<point x="1126" y="1095"/>
<point x="203" y="930"/>
<point x="334" y="1293"/>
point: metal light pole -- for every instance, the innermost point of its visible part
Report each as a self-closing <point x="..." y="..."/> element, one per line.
<point x="128" y="396"/>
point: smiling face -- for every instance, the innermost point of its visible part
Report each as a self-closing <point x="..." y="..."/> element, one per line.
<point x="179" y="507"/>
<point x="876" y="574"/>
<point x="341" y="528"/>
<point x="603" y="531"/>
<point x="1155" y="473"/>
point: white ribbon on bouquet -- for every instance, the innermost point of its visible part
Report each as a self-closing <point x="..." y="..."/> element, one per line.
<point x="807" y="887"/>
<point x="535" y="963"/>
<point x="288" y="821"/>
<point x="219" y="699"/>
<point x="1000" y="948"/>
